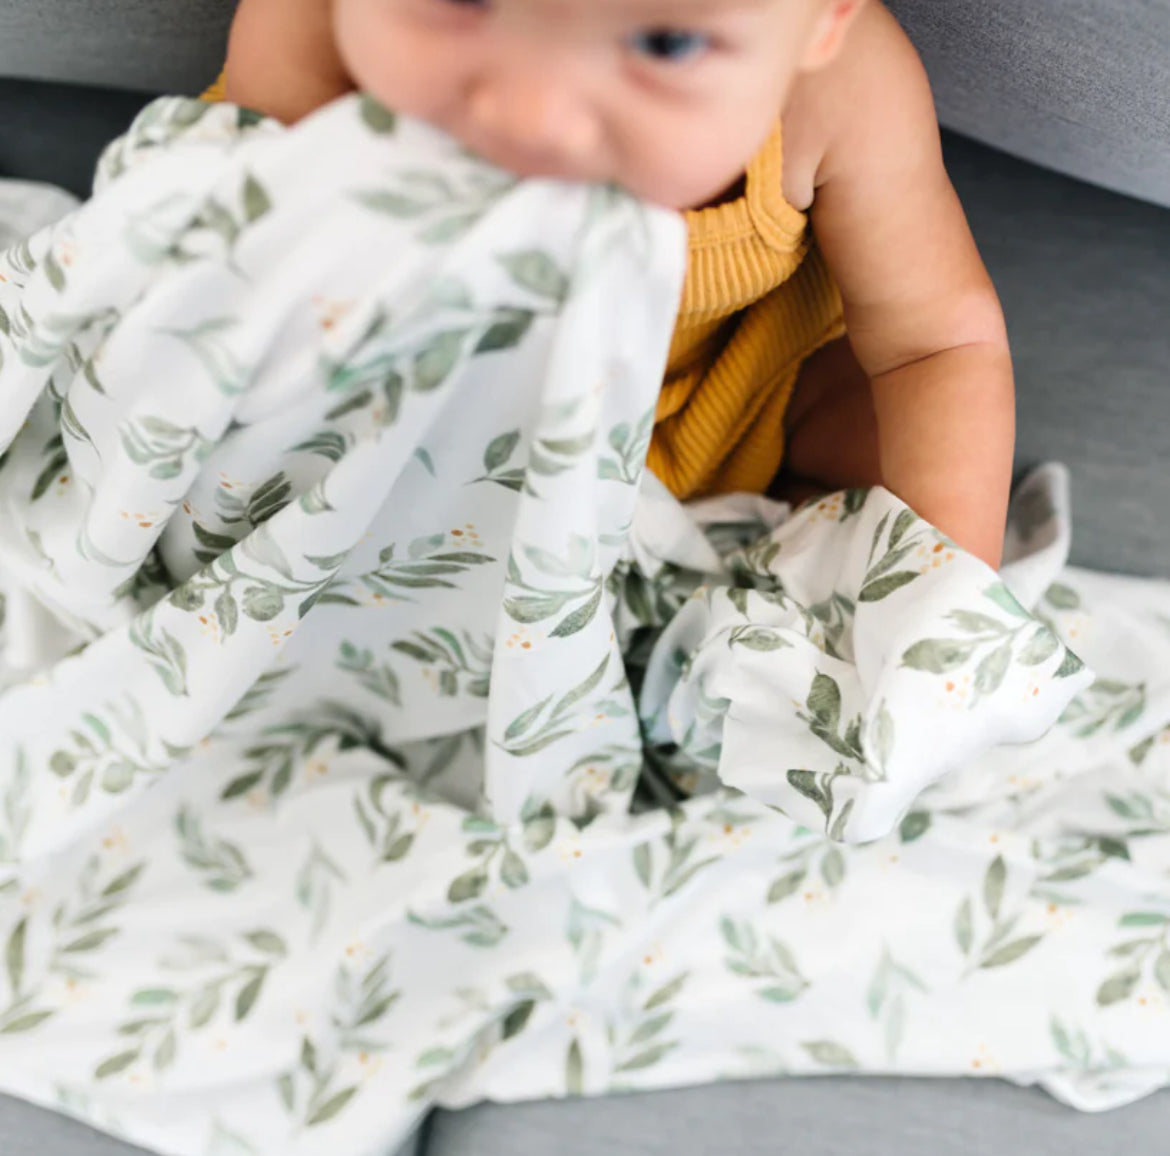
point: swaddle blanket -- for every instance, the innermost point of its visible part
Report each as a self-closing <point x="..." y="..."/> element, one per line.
<point x="373" y="734"/>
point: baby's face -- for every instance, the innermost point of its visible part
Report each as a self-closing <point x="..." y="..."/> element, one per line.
<point x="669" y="98"/>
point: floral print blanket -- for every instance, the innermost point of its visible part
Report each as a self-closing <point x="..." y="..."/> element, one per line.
<point x="373" y="734"/>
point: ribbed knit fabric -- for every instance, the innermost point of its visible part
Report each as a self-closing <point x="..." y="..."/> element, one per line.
<point x="757" y="302"/>
<point x="218" y="91"/>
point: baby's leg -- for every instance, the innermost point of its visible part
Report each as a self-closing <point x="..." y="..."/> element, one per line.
<point x="830" y="429"/>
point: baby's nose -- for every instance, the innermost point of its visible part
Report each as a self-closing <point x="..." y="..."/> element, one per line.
<point x="535" y="122"/>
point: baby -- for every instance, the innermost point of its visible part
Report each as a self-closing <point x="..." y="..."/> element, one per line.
<point x="837" y="314"/>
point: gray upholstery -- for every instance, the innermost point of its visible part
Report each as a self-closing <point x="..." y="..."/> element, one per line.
<point x="29" y="1131"/>
<point x="812" y="1117"/>
<point x="151" y="45"/>
<point x="54" y="133"/>
<point x="1080" y="85"/>
<point x="1084" y="276"/>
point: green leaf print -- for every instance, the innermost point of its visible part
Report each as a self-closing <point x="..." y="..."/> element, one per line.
<point x="377" y="678"/>
<point x="758" y="638"/>
<point x="1145" y="919"/>
<point x="992" y="670"/>
<point x="331" y="1108"/>
<point x="391" y="829"/>
<point x="328" y="444"/>
<point x="830" y="1054"/>
<point x="938" y="655"/>
<point x="1108" y="705"/>
<point x="630" y="445"/>
<point x="438" y="359"/>
<point x="965" y="927"/>
<point x="993" y="886"/>
<point x="1162" y="970"/>
<point x="580" y="618"/>
<point x="536" y="271"/>
<point x="280" y="750"/>
<point x="640" y="1044"/>
<point x="1042" y="646"/>
<point x="524" y="722"/>
<point x="431" y="564"/>
<point x="786" y="886"/>
<point x="915" y="825"/>
<point x="1062" y="597"/>
<point x="479" y="926"/>
<point x="159" y="1034"/>
<point x="376" y="117"/>
<point x="221" y="864"/>
<point x="252" y="506"/>
<point x="770" y="960"/>
<point x="248" y="995"/>
<point x="666" y="994"/>
<point x="882" y="588"/>
<point x="56" y="462"/>
<point x="74" y="937"/>
<point x="824" y="701"/>
<point x="507" y="331"/>
<point x="14" y="956"/>
<point x="54" y="272"/>
<point x="309" y="1091"/>
<point x="903" y="524"/>
<point x="643" y="864"/>
<point x="517" y="1019"/>
<point x="209" y="343"/>
<point x="891" y="987"/>
<point x="257" y="202"/>
<point x="1005" y="600"/>
<point x="540" y="824"/>
<point x="1010" y="952"/>
<point x="1118" y="988"/>
<point x="520" y="737"/>
<point x="115" y="1065"/>
<point x="574" y="1070"/>
<point x="648" y="1058"/>
<point x="468" y="886"/>
<point x="109" y="753"/>
<point x="500" y="450"/>
<point x="513" y="871"/>
<point x="818" y="788"/>
<point x="998" y="949"/>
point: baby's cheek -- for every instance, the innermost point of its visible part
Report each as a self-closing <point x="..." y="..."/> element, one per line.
<point x="388" y="59"/>
<point x="686" y="172"/>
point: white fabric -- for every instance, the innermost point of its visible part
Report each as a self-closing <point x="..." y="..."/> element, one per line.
<point x="328" y="588"/>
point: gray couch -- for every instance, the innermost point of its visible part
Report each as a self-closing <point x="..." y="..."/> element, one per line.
<point x="1079" y="86"/>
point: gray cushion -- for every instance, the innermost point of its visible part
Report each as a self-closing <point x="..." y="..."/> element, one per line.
<point x="29" y="1131"/>
<point x="1084" y="276"/>
<point x="54" y="133"/>
<point x="152" y="45"/>
<point x="1080" y="85"/>
<point x="810" y="1117"/>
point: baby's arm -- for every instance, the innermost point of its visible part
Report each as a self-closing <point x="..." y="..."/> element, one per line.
<point x="922" y="315"/>
<point x="282" y="60"/>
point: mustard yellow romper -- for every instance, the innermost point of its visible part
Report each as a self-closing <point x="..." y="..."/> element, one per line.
<point x="757" y="303"/>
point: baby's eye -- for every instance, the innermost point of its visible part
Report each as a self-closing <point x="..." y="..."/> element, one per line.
<point x="671" y="45"/>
